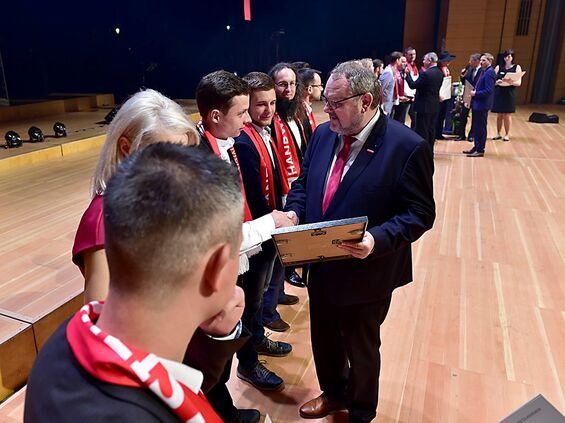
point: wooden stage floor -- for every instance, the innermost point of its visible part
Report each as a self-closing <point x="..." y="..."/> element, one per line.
<point x="478" y="333"/>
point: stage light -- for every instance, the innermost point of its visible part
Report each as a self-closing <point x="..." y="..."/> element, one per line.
<point x="13" y="139"/>
<point x="35" y="134"/>
<point x="59" y="129"/>
<point x="228" y="27"/>
<point x="117" y="29"/>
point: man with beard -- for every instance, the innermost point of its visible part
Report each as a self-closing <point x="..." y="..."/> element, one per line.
<point x="290" y="129"/>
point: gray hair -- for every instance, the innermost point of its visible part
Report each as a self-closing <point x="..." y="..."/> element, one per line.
<point x="145" y="118"/>
<point x="475" y="56"/>
<point x="431" y="56"/>
<point x="361" y="80"/>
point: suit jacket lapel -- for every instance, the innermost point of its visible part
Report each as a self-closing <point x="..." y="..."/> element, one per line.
<point x="367" y="153"/>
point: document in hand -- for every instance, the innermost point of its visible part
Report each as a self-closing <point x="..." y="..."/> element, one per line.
<point x="511" y="77"/>
<point x="445" y="90"/>
<point x="316" y="242"/>
<point x="467" y="93"/>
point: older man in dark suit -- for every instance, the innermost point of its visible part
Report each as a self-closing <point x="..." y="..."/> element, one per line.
<point x="360" y="163"/>
<point x="426" y="104"/>
<point x="483" y="97"/>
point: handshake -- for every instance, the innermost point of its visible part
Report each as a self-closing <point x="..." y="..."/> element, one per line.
<point x="283" y="219"/>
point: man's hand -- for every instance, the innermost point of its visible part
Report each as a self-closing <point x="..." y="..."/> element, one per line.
<point x="292" y="216"/>
<point x="223" y="323"/>
<point x="361" y="249"/>
<point x="281" y="219"/>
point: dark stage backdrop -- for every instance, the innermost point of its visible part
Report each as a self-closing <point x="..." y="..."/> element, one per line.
<point x="72" y="46"/>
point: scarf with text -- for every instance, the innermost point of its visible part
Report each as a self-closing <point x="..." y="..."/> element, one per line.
<point x="287" y="148"/>
<point x="266" y="168"/>
<point x="214" y="146"/>
<point x="112" y="361"/>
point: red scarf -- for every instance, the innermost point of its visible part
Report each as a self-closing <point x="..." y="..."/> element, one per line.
<point x="398" y="87"/>
<point x="310" y="114"/>
<point x="413" y="69"/>
<point x="214" y="145"/>
<point x="113" y="361"/>
<point x="266" y="169"/>
<point x="287" y="149"/>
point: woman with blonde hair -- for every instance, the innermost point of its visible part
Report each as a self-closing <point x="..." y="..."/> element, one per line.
<point x="145" y="118"/>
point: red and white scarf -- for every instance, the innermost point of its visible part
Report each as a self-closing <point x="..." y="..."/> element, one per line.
<point x="287" y="149"/>
<point x="216" y="149"/>
<point x="110" y="360"/>
<point x="266" y="170"/>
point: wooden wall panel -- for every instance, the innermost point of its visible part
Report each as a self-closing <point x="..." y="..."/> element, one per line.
<point x="419" y="26"/>
<point x="490" y="26"/>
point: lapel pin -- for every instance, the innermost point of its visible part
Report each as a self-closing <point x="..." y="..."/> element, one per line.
<point x="370" y="151"/>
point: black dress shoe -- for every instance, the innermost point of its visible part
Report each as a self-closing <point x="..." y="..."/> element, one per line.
<point x="261" y="378"/>
<point x="476" y="154"/>
<point x="440" y="137"/>
<point x="288" y="299"/>
<point x="471" y="151"/>
<point x="273" y="348"/>
<point x="460" y="139"/>
<point x="278" y="325"/>
<point x="295" y="280"/>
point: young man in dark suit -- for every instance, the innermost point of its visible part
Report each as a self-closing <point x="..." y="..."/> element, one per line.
<point x="426" y="104"/>
<point x="481" y="103"/>
<point x="360" y="163"/>
<point x="120" y="360"/>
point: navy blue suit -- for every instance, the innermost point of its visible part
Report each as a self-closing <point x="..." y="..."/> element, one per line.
<point x="390" y="182"/>
<point x="481" y="104"/>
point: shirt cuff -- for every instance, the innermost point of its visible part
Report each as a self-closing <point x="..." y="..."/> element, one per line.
<point x="235" y="334"/>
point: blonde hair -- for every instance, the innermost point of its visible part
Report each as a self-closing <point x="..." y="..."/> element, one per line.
<point x="145" y="118"/>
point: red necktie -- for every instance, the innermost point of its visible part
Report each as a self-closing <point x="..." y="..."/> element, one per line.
<point x="337" y="172"/>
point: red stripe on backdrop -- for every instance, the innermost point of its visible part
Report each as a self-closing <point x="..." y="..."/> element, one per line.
<point x="247" y="10"/>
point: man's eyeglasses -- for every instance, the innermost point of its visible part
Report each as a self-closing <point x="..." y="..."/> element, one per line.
<point x="317" y="85"/>
<point x="284" y="84"/>
<point x="337" y="104"/>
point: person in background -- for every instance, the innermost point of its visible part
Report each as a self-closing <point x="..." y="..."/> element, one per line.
<point x="471" y="74"/>
<point x="444" y="59"/>
<point x="426" y="103"/>
<point x="412" y="69"/>
<point x="389" y="82"/>
<point x="313" y="87"/>
<point x="483" y="96"/>
<point x="505" y="94"/>
<point x="378" y="67"/>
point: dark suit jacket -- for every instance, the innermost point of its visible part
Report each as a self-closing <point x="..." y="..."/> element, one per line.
<point x="390" y="182"/>
<point x="249" y="163"/>
<point x="469" y="76"/>
<point x="427" y="90"/>
<point x="484" y="90"/>
<point x="60" y="390"/>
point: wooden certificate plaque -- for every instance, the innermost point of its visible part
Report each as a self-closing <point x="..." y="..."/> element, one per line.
<point x="317" y="242"/>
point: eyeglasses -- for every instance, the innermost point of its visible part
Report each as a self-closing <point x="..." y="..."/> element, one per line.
<point x="337" y="104"/>
<point x="284" y="84"/>
<point x="317" y="85"/>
